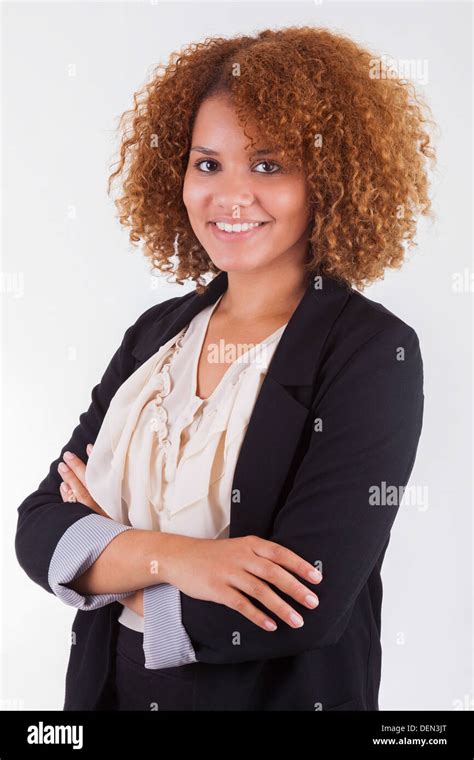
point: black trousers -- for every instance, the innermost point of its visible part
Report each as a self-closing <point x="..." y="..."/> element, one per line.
<point x="137" y="688"/>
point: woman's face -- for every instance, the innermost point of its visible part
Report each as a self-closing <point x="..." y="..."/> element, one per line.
<point x="224" y="183"/>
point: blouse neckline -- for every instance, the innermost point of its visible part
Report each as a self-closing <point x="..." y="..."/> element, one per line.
<point x="203" y="320"/>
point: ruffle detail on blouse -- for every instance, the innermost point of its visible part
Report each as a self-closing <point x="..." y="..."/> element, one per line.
<point x="106" y="464"/>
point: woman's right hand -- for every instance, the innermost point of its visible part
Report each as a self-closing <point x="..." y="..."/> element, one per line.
<point x="224" y="570"/>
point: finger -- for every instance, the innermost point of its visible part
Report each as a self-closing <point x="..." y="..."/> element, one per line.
<point x="257" y="589"/>
<point x="286" y="558"/>
<point x="70" y="478"/>
<point x="76" y="465"/>
<point x="77" y="490"/>
<point x="241" y="604"/>
<point x="89" y="448"/>
<point x="66" y="492"/>
<point x="283" y="580"/>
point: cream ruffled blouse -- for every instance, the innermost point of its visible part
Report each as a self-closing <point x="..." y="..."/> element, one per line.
<point x="164" y="458"/>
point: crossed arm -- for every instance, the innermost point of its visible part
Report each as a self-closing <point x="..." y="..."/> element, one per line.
<point x="124" y="565"/>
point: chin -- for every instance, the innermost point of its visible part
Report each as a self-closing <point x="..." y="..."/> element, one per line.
<point x="236" y="263"/>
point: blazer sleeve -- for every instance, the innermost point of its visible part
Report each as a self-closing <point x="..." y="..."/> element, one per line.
<point x="341" y="505"/>
<point x="57" y="541"/>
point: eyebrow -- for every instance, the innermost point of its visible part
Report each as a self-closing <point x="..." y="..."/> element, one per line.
<point x="210" y="152"/>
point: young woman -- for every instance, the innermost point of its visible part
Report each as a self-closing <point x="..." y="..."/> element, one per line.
<point x="275" y="409"/>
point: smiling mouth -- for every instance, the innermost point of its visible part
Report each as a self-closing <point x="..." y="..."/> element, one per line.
<point x="235" y="230"/>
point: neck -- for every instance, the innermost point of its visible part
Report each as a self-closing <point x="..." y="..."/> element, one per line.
<point x="262" y="295"/>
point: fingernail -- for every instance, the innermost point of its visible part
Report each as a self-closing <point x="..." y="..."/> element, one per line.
<point x="296" y="619"/>
<point x="89" y="448"/>
<point x="62" y="467"/>
<point x="64" y="487"/>
<point x="68" y="456"/>
<point x="270" y="625"/>
<point x="312" y="600"/>
<point x="315" y="575"/>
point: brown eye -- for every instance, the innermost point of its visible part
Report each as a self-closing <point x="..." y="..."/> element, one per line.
<point x="203" y="161"/>
<point x="269" y="163"/>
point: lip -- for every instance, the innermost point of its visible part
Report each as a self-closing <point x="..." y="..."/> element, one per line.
<point x="233" y="237"/>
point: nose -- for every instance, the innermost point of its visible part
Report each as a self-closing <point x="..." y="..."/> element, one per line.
<point x="233" y="192"/>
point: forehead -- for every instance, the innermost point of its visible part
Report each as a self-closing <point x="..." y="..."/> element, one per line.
<point x="217" y="129"/>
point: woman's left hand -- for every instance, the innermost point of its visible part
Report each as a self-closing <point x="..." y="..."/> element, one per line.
<point x="73" y="488"/>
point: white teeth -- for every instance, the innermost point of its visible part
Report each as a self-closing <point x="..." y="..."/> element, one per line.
<point x="237" y="227"/>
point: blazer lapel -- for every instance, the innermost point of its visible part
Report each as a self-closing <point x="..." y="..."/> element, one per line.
<point x="282" y="410"/>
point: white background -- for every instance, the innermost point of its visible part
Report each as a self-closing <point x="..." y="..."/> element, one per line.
<point x="72" y="284"/>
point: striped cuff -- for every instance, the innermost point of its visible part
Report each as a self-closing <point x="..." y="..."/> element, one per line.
<point x="78" y="549"/>
<point x="165" y="641"/>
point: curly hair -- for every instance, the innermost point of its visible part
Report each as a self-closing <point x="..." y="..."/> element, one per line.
<point x="361" y="140"/>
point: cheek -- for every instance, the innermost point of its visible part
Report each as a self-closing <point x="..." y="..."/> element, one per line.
<point x="193" y="194"/>
<point x="288" y="204"/>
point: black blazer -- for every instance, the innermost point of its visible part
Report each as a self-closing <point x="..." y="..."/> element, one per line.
<point x="328" y="450"/>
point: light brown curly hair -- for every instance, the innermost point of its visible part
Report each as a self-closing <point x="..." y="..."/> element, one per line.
<point x="362" y="142"/>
